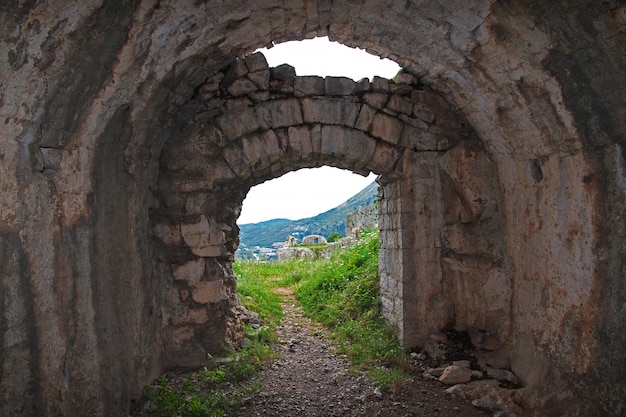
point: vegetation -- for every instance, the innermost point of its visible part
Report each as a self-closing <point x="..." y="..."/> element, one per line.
<point x="340" y="292"/>
<point x="343" y="294"/>
<point x="214" y="392"/>
<point x="333" y="237"/>
<point x="271" y="231"/>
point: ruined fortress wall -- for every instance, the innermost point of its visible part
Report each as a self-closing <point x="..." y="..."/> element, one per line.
<point x="510" y="220"/>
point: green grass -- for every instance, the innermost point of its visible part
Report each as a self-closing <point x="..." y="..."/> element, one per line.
<point x="215" y="392"/>
<point x="341" y="292"/>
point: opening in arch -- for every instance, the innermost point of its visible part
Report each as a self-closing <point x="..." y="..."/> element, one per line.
<point x="305" y="202"/>
<point x="320" y="56"/>
<point x="249" y="123"/>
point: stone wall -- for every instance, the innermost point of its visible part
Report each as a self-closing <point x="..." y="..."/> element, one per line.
<point x="363" y="218"/>
<point x="127" y="145"/>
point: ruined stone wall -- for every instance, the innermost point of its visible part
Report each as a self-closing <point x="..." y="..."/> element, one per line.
<point x="92" y="92"/>
<point x="260" y="123"/>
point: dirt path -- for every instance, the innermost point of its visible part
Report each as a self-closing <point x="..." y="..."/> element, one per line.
<point x="308" y="379"/>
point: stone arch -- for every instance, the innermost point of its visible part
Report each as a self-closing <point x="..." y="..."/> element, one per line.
<point x="90" y="94"/>
<point x="401" y="130"/>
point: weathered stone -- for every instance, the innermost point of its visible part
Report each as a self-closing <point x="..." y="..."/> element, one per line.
<point x="308" y="86"/>
<point x="314" y="240"/>
<point x="363" y="85"/>
<point x="235" y="71"/>
<point x="400" y="104"/>
<point x="339" y="86"/>
<point x="168" y="233"/>
<point x="256" y="62"/>
<point x="203" y="238"/>
<point x="260" y="78"/>
<point x="386" y="128"/>
<point x="283" y="72"/>
<point x="330" y="111"/>
<point x="192" y="271"/>
<point x="462" y="364"/>
<point x="103" y="140"/>
<point x="404" y="77"/>
<point x="376" y="100"/>
<point x="242" y="87"/>
<point x="207" y="292"/>
<point x="453" y="375"/>
<point x="380" y="85"/>
<point x="280" y="113"/>
<point x="502" y="375"/>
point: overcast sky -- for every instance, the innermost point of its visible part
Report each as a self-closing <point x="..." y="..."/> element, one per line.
<point x="308" y="192"/>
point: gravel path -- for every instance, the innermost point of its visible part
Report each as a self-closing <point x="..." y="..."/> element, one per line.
<point x="308" y="379"/>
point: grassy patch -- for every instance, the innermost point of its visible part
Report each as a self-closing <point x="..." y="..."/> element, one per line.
<point x="211" y="392"/>
<point x="216" y="392"/>
<point x="343" y="293"/>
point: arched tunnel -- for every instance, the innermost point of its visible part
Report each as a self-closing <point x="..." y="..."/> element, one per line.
<point x="132" y="130"/>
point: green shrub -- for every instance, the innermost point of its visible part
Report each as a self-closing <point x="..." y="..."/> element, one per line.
<point x="333" y="237"/>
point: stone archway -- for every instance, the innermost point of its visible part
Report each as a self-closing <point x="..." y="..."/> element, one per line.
<point x="91" y="93"/>
<point x="249" y="123"/>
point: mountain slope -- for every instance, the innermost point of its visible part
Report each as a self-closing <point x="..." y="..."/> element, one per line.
<point x="334" y="220"/>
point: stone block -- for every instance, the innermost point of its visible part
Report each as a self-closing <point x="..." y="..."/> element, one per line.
<point x="280" y="113"/>
<point x="366" y="118"/>
<point x="380" y="85"/>
<point x="401" y="89"/>
<point x="190" y="316"/>
<point x="308" y="86"/>
<point x="168" y="233"/>
<point x="208" y="292"/>
<point x="242" y="87"/>
<point x="316" y="139"/>
<point x="237" y="161"/>
<point x="404" y="77"/>
<point x="255" y="151"/>
<point x="236" y="71"/>
<point x="239" y="122"/>
<point x="282" y="87"/>
<point x="256" y="62"/>
<point x="330" y="111"/>
<point x="385" y="158"/>
<point x="271" y="145"/>
<point x="418" y="139"/>
<point x="363" y="85"/>
<point x="361" y="148"/>
<point x="192" y="271"/>
<point x="194" y="204"/>
<point x="376" y="100"/>
<point x="300" y="141"/>
<point x="260" y="78"/>
<point x="453" y="375"/>
<point x="387" y="128"/>
<point x="284" y="72"/>
<point x="204" y="238"/>
<point x="400" y="104"/>
<point x="339" y="86"/>
<point x="332" y="136"/>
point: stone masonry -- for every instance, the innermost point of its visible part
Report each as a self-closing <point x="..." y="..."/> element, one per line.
<point x="131" y="131"/>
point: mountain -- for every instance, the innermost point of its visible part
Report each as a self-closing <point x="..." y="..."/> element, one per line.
<point x="265" y="233"/>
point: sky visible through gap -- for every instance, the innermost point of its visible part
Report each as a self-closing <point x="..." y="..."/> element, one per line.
<point x="308" y="192"/>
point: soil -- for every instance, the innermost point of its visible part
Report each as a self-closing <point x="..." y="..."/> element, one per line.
<point x="309" y="379"/>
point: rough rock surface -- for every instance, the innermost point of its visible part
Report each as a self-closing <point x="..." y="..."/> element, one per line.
<point x="132" y="130"/>
<point x="309" y="379"/>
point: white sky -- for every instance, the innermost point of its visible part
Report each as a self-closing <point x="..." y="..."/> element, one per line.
<point x="308" y="192"/>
